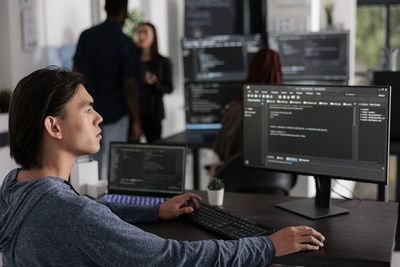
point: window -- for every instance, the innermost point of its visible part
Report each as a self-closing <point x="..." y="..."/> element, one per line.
<point x="377" y="36"/>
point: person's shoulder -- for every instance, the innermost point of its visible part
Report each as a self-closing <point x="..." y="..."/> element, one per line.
<point x="64" y="196"/>
<point x="164" y="60"/>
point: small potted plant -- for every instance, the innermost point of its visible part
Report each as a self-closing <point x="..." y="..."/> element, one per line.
<point x="329" y="6"/>
<point x="215" y="191"/>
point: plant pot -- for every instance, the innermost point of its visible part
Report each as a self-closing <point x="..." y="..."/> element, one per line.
<point x="215" y="197"/>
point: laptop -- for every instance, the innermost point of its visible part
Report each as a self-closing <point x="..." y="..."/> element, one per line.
<point x="145" y="174"/>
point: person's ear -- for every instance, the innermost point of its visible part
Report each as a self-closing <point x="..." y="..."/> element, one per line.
<point x="52" y="127"/>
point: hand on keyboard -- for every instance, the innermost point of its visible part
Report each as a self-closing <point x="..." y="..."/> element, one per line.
<point x="178" y="205"/>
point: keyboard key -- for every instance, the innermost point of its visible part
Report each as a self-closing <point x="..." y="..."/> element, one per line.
<point x="134" y="200"/>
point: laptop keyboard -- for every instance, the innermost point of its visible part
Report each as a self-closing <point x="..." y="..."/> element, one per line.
<point x="226" y="224"/>
<point x="134" y="200"/>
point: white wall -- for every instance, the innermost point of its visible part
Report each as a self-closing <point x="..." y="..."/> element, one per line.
<point x="65" y="20"/>
<point x="21" y="62"/>
<point x="58" y="22"/>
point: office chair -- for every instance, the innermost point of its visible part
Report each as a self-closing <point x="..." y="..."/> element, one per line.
<point x="238" y="178"/>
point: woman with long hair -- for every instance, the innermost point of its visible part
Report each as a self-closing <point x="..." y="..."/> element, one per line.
<point x="155" y="80"/>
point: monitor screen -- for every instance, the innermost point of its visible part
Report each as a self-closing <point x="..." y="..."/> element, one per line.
<point x="146" y="168"/>
<point x="205" y="101"/>
<point x="312" y="55"/>
<point x="218" y="58"/>
<point x="324" y="131"/>
<point x="212" y="17"/>
<point x="334" y="131"/>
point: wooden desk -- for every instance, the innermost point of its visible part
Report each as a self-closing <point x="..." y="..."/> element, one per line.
<point x="194" y="139"/>
<point x="364" y="237"/>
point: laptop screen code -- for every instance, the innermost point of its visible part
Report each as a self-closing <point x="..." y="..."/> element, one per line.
<point x="146" y="168"/>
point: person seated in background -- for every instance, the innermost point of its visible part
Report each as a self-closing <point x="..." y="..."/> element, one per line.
<point x="265" y="67"/>
<point x="155" y="80"/>
<point x="45" y="222"/>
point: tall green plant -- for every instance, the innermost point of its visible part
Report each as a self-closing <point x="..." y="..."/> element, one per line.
<point x="329" y="6"/>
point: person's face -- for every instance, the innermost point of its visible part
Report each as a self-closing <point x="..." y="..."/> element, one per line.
<point x="80" y="124"/>
<point x="144" y="36"/>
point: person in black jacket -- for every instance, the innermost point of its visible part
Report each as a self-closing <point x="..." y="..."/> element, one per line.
<point x="154" y="81"/>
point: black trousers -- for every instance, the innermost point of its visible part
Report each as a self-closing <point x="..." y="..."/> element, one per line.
<point x="151" y="127"/>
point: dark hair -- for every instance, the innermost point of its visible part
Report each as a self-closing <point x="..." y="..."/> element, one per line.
<point x="265" y="67"/>
<point x="115" y="7"/>
<point x="154" y="46"/>
<point x="40" y="94"/>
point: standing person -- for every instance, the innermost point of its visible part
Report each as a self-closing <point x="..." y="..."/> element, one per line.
<point x="155" y="80"/>
<point x="108" y="59"/>
<point x="44" y="222"/>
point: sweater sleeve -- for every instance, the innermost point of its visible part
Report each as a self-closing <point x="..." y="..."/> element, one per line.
<point x="109" y="241"/>
<point x="164" y="82"/>
<point x="133" y="213"/>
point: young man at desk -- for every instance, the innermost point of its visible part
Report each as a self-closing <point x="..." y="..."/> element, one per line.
<point x="44" y="222"/>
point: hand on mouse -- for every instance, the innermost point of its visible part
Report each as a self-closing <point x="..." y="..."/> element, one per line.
<point x="296" y="238"/>
<point x="178" y="205"/>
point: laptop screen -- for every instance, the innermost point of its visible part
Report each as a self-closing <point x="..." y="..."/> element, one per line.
<point x="146" y="169"/>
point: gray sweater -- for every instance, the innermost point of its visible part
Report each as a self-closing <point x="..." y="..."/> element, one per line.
<point x="45" y="223"/>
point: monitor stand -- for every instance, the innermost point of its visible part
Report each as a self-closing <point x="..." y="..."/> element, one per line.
<point x="317" y="208"/>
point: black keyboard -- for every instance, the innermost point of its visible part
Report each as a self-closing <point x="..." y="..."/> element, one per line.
<point x="226" y="224"/>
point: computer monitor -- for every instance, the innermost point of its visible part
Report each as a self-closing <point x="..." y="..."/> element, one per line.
<point x="325" y="131"/>
<point x="391" y="78"/>
<point x="222" y="58"/>
<point x="205" y="101"/>
<point x="213" y="17"/>
<point x="312" y="56"/>
<point x="146" y="169"/>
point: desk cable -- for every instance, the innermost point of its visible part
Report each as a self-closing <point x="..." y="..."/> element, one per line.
<point x="351" y="191"/>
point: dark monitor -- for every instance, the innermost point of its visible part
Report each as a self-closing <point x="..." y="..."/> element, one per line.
<point x="223" y="58"/>
<point x="312" y="56"/>
<point x="325" y="131"/>
<point x="205" y="101"/>
<point x="391" y="78"/>
<point x="213" y="17"/>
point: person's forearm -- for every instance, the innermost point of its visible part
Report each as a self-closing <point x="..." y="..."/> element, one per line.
<point x="135" y="214"/>
<point x="163" y="88"/>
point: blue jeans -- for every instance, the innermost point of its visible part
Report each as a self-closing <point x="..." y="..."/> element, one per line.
<point x="118" y="132"/>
